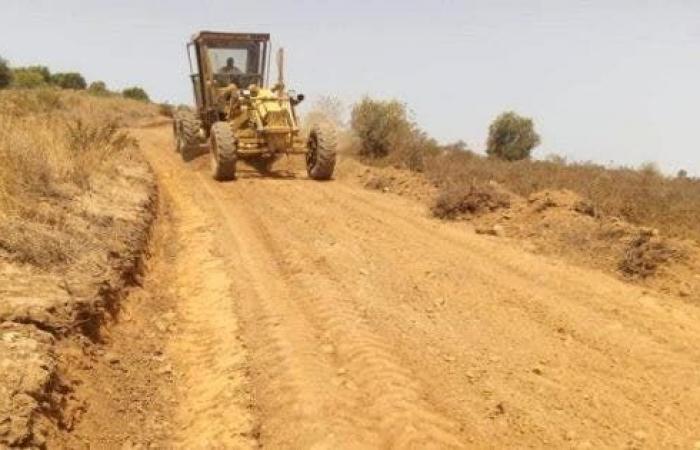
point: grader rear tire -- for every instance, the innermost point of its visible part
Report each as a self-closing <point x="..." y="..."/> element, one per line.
<point x="321" y="151"/>
<point x="188" y="127"/>
<point x="224" y="152"/>
<point x="176" y="132"/>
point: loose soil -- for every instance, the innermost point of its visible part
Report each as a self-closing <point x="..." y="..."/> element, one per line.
<point x="286" y="313"/>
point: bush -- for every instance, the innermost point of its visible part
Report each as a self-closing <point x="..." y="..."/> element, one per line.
<point x="644" y="255"/>
<point x="31" y="77"/>
<point x="136" y="93"/>
<point x="41" y="70"/>
<point x="5" y="74"/>
<point x="98" y="88"/>
<point x="51" y="139"/>
<point x="381" y="125"/>
<point x="69" y="80"/>
<point x="512" y="137"/>
<point x="166" y="109"/>
<point x="28" y="79"/>
<point x="90" y="144"/>
<point x="454" y="201"/>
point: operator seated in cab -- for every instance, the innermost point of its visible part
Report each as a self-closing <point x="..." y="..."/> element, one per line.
<point x="229" y="74"/>
<point x="230" y="68"/>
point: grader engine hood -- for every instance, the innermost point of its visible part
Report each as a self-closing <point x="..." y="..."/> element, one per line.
<point x="274" y="118"/>
<point x="274" y="114"/>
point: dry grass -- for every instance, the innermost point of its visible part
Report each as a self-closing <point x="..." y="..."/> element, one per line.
<point x="53" y="145"/>
<point x="455" y="201"/>
<point x="640" y="196"/>
<point x="645" y="254"/>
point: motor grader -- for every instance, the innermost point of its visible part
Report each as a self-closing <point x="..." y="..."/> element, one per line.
<point x="240" y="115"/>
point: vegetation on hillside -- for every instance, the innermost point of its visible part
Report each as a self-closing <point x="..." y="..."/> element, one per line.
<point x="136" y="93"/>
<point x="511" y="137"/>
<point x="385" y="134"/>
<point x="69" y="80"/>
<point x="5" y="74"/>
<point x="35" y="77"/>
<point x="51" y="140"/>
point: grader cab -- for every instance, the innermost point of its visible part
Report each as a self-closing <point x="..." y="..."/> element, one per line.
<point x="240" y="115"/>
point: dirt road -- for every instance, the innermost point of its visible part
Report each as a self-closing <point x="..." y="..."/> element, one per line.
<point x="322" y="315"/>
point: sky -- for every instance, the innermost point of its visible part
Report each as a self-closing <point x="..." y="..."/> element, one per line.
<point x="610" y="81"/>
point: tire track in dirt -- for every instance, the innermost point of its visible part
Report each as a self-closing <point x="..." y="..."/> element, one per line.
<point x="210" y="361"/>
<point x="368" y="325"/>
<point x="390" y="394"/>
<point x="534" y="311"/>
<point x="288" y="387"/>
<point x="299" y="405"/>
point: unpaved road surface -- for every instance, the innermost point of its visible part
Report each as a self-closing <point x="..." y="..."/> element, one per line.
<point x="322" y="315"/>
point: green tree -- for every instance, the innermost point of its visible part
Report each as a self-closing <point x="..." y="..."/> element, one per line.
<point x="69" y="80"/>
<point x="29" y="79"/>
<point x="512" y="137"/>
<point x="42" y="71"/>
<point x="381" y="125"/>
<point x="98" y="88"/>
<point x="136" y="93"/>
<point x="5" y="73"/>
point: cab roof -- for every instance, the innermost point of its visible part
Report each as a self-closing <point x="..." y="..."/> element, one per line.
<point x="208" y="36"/>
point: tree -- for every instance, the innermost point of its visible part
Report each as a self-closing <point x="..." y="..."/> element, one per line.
<point x="382" y="126"/>
<point x="511" y="137"/>
<point x="98" y="88"/>
<point x="5" y="73"/>
<point x="42" y="71"/>
<point x="69" y="80"/>
<point x="27" y="78"/>
<point x="136" y="93"/>
<point x="682" y="173"/>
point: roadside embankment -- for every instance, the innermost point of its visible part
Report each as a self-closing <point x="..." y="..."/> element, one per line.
<point x="76" y="205"/>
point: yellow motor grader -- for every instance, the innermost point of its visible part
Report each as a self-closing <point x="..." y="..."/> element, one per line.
<point x="239" y="114"/>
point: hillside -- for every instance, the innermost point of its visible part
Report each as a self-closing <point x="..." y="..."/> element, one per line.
<point x="76" y="200"/>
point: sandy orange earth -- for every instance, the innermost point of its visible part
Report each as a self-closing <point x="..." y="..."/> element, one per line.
<point x="301" y="314"/>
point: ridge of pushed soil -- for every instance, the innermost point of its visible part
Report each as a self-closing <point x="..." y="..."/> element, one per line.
<point x="558" y="223"/>
<point x="86" y="249"/>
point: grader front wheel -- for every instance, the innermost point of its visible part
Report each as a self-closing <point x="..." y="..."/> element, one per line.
<point x="224" y="152"/>
<point x="320" y="154"/>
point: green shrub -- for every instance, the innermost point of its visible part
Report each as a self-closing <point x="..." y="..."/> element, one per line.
<point x="381" y="126"/>
<point x="69" y="80"/>
<point x="41" y="70"/>
<point x="98" y="88"/>
<point x="31" y="77"/>
<point x="5" y="74"/>
<point x="28" y="79"/>
<point x="136" y="93"/>
<point x="512" y="137"/>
